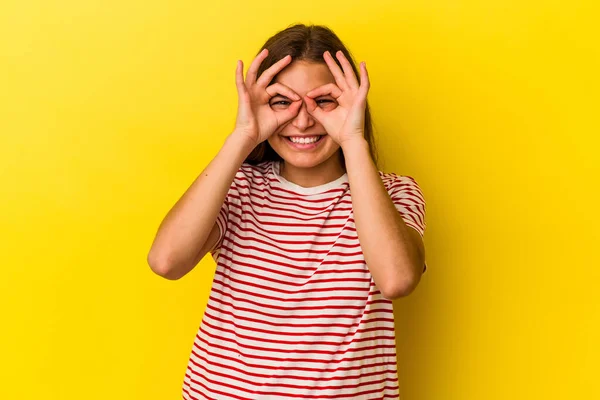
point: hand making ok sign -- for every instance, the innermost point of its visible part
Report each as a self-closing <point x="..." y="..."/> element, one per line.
<point x="346" y="121"/>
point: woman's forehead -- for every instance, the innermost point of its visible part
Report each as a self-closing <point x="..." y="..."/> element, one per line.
<point x="302" y="76"/>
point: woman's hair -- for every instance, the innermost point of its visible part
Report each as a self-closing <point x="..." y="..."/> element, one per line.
<point x="306" y="43"/>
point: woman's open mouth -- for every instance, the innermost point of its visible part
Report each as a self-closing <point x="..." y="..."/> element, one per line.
<point x="304" y="142"/>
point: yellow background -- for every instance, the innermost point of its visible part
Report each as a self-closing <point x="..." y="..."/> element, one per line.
<point x="109" y="109"/>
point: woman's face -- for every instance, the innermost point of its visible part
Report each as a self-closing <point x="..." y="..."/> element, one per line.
<point x="295" y="140"/>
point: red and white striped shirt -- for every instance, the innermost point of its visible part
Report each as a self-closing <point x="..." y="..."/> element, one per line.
<point x="293" y="310"/>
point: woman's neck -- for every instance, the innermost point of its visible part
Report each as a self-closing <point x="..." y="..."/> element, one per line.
<point x="321" y="174"/>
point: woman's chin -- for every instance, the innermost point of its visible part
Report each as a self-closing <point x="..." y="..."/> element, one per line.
<point x="307" y="160"/>
<point x="302" y="162"/>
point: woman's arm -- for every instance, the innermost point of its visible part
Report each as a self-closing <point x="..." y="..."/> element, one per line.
<point x="183" y="236"/>
<point x="393" y="251"/>
<point x="181" y="240"/>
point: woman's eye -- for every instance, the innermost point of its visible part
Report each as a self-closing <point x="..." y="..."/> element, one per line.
<point x="280" y="103"/>
<point x="325" y="102"/>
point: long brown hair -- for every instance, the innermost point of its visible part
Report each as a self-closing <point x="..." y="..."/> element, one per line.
<point x="306" y="43"/>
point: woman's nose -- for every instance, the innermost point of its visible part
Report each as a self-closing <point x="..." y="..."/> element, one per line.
<point x="303" y="120"/>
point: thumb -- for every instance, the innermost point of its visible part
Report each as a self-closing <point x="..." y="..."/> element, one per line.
<point x="291" y="111"/>
<point x="313" y="109"/>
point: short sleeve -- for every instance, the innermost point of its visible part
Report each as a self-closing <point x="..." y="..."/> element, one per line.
<point x="408" y="200"/>
<point x="222" y="224"/>
<point x="222" y="221"/>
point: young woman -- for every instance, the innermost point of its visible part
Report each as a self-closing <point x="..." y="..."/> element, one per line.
<point x="311" y="241"/>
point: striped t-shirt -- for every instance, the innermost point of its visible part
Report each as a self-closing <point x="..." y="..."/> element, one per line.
<point x="293" y="312"/>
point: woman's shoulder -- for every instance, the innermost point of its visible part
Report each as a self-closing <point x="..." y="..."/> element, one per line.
<point x="261" y="168"/>
<point x="401" y="186"/>
<point x="391" y="179"/>
<point x="254" y="173"/>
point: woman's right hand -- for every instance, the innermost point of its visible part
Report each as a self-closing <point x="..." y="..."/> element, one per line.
<point x="256" y="120"/>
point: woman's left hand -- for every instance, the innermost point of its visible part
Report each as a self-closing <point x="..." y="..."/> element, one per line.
<point x="346" y="122"/>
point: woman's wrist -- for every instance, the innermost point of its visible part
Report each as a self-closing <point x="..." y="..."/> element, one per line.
<point x="242" y="141"/>
<point x="354" y="144"/>
<point x="238" y="147"/>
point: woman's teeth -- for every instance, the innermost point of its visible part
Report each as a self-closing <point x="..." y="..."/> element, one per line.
<point x="304" y="140"/>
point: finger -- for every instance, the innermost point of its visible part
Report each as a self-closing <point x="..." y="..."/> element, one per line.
<point x="328" y="88"/>
<point x="348" y="71"/>
<point x="239" y="80"/>
<point x="290" y="113"/>
<point x="313" y="108"/>
<point x="253" y="70"/>
<point x="267" y="76"/>
<point x="278" y="88"/>
<point x="337" y="73"/>
<point x="365" y="83"/>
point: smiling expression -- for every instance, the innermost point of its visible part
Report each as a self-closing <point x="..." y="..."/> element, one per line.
<point x="303" y="142"/>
